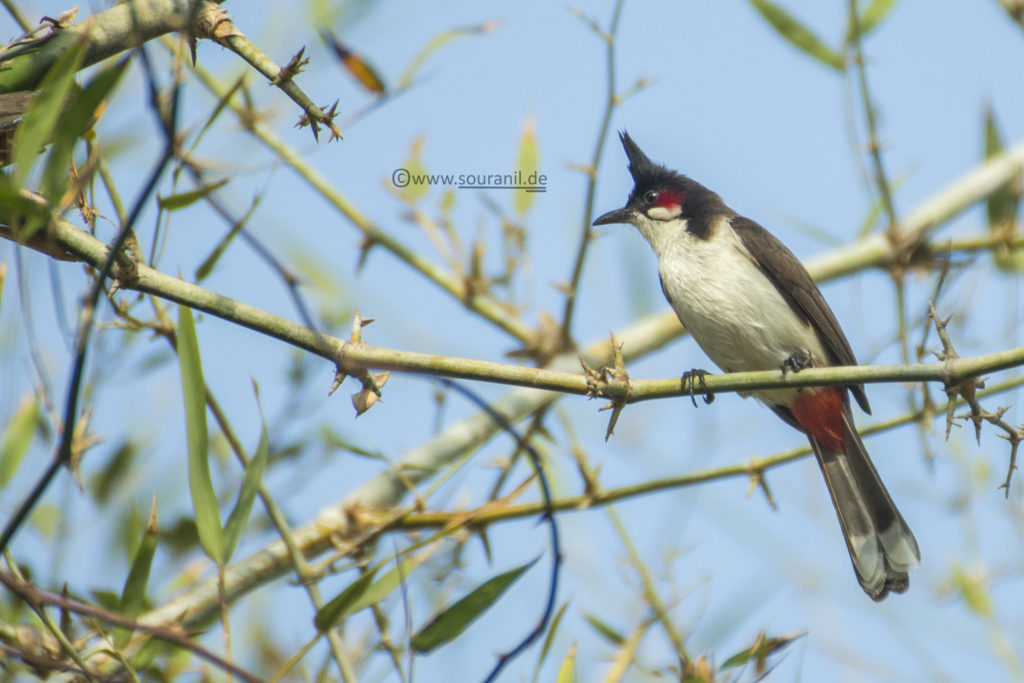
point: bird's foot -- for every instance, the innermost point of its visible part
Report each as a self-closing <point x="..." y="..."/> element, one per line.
<point x="691" y="380"/>
<point x="798" y="361"/>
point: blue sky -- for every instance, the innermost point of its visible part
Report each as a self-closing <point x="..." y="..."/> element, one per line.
<point x="730" y="104"/>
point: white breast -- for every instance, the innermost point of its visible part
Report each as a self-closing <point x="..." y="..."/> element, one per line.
<point x="727" y="303"/>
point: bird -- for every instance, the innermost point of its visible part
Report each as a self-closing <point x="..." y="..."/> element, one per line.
<point x="751" y="305"/>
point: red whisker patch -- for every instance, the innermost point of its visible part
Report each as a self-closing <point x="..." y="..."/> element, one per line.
<point x="671" y="199"/>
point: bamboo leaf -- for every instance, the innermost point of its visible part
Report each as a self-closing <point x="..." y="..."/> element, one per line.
<point x="437" y="42"/>
<point x="247" y="494"/>
<point x="42" y="114"/>
<point x="527" y="164"/>
<point x="355" y="64"/>
<point x="874" y="14"/>
<point x="17" y="438"/>
<point x="78" y="117"/>
<point x="208" y="264"/>
<point x="762" y="648"/>
<point x="44" y="519"/>
<point x="974" y="590"/>
<point x="384" y="586"/>
<point x="1002" y="205"/>
<point x="453" y="620"/>
<point x="606" y="631"/>
<point x="548" y="639"/>
<point x="567" y="671"/>
<point x="117" y="469"/>
<point x="182" y="199"/>
<point x="625" y="657"/>
<point x="204" y="499"/>
<point x="1014" y="10"/>
<point x="133" y="596"/>
<point x="799" y="35"/>
<point x="341" y="605"/>
<point x="415" y="186"/>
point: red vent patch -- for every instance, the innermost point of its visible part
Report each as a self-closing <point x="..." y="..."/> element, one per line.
<point x="820" y="412"/>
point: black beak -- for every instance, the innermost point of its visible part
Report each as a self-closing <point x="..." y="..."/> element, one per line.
<point x="622" y="215"/>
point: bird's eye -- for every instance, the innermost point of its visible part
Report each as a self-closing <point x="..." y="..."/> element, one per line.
<point x="650" y="197"/>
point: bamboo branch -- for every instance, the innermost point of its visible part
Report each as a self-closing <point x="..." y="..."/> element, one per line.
<point x="358" y="356"/>
<point x="108" y="33"/>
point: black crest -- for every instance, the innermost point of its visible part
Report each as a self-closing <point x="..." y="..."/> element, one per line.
<point x="701" y="206"/>
<point x="647" y="174"/>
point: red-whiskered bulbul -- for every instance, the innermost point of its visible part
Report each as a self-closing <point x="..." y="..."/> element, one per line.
<point x="751" y="305"/>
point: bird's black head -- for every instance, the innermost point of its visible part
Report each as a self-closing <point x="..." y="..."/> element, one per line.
<point x="662" y="195"/>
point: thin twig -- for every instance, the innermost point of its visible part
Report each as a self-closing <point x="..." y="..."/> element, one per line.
<point x="171" y="635"/>
<point x="586" y="237"/>
<point x="651" y="596"/>
<point x="874" y="146"/>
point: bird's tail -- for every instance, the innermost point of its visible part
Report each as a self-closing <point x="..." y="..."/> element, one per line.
<point x="882" y="547"/>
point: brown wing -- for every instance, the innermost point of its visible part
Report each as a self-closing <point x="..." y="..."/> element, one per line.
<point x="796" y="286"/>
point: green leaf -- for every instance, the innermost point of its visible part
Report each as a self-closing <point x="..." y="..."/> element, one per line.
<point x="208" y="264"/>
<point x="247" y="495"/>
<point x="974" y="590"/>
<point x="37" y="127"/>
<point x="874" y="14"/>
<point x="450" y="622"/>
<point x="17" y="438"/>
<point x="1014" y="10"/>
<point x="342" y="604"/>
<point x="44" y="519"/>
<point x="437" y="42"/>
<point x="356" y="597"/>
<point x="606" y="631"/>
<point x="204" y="499"/>
<point x="548" y="639"/>
<point x="76" y="120"/>
<point x="447" y="202"/>
<point x="567" y="671"/>
<point x="133" y="596"/>
<point x="386" y="584"/>
<point x="528" y="163"/>
<point x="415" y="187"/>
<point x="117" y="469"/>
<point x="762" y="648"/>
<point x="106" y="599"/>
<point x="182" y="199"/>
<point x="798" y="34"/>
<point x="1002" y="205"/>
<point x="222" y="105"/>
<point x="180" y="537"/>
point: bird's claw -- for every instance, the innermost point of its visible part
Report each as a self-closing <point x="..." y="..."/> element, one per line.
<point x="799" y="360"/>
<point x="689" y="383"/>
